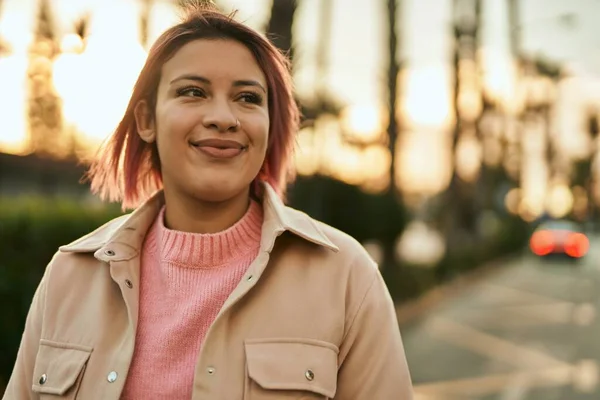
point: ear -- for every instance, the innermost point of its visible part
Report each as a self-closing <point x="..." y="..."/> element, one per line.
<point x="144" y="120"/>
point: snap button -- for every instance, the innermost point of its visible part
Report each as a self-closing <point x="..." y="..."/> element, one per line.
<point x="112" y="376"/>
<point x="109" y="253"/>
<point x="309" y="375"/>
<point x="43" y="379"/>
<point x="128" y="283"/>
<point x="210" y="370"/>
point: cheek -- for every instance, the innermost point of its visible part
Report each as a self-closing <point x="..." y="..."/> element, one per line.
<point x="261" y="144"/>
<point x="170" y="128"/>
<point x="173" y="124"/>
<point x="265" y="138"/>
<point x="175" y="121"/>
<point x="260" y="133"/>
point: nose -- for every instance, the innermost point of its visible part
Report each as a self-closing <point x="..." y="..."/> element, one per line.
<point x="220" y="117"/>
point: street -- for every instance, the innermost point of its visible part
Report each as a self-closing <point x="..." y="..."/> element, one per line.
<point x="527" y="329"/>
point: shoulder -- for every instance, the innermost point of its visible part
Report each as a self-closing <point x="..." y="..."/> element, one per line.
<point x="77" y="256"/>
<point x="349" y="248"/>
<point x="356" y="263"/>
<point x="73" y="268"/>
<point x="351" y="269"/>
<point x="97" y="238"/>
<point x="347" y="252"/>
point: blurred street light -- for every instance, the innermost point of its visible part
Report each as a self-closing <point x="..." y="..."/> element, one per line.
<point x="468" y="156"/>
<point x="559" y="201"/>
<point x="427" y="98"/>
<point x="323" y="149"/>
<point x="306" y="154"/>
<point x="421" y="245"/>
<point x="364" y="123"/>
<point x="424" y="162"/>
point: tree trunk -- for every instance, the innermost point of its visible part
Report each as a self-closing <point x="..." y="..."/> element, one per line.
<point x="389" y="243"/>
<point x="392" y="81"/>
<point x="460" y="193"/>
<point x="279" y="28"/>
<point x="146" y="8"/>
<point x="45" y="113"/>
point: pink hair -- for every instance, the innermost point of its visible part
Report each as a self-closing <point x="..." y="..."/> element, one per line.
<point x="127" y="169"/>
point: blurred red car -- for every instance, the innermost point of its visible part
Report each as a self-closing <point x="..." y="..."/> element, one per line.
<point x="559" y="237"/>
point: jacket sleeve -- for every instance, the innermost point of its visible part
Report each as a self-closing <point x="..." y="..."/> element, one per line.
<point x="372" y="359"/>
<point x="20" y="382"/>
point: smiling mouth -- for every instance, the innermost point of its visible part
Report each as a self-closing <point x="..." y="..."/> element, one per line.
<point x="217" y="148"/>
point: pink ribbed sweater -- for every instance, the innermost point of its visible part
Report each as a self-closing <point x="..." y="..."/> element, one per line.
<point x="184" y="280"/>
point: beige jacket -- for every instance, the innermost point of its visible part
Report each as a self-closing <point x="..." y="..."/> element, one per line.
<point x="311" y="319"/>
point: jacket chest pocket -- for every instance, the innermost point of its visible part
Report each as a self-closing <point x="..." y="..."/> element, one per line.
<point x="58" y="370"/>
<point x="290" y="369"/>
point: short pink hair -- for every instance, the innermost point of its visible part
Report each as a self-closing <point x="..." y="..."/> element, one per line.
<point x="127" y="169"/>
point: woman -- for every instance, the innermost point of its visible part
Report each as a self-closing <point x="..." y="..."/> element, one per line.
<point x="212" y="288"/>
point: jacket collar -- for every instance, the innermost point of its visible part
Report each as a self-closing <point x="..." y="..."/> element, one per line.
<point x="122" y="238"/>
<point x="279" y="218"/>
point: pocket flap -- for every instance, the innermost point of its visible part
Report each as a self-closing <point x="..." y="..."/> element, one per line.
<point x="293" y="364"/>
<point x="57" y="366"/>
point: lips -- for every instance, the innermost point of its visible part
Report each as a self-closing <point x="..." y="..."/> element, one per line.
<point x="219" y="148"/>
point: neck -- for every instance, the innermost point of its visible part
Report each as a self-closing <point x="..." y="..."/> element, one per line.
<point x="187" y="214"/>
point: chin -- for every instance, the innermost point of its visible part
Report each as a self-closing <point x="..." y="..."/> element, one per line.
<point x="218" y="191"/>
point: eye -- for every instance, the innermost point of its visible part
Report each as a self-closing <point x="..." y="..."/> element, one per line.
<point x="191" y="91"/>
<point x="251" y="97"/>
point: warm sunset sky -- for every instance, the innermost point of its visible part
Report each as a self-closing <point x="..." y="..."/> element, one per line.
<point x="357" y="60"/>
<point x="358" y="29"/>
<point x="358" y="42"/>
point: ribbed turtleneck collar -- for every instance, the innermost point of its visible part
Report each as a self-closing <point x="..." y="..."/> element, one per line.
<point x="198" y="250"/>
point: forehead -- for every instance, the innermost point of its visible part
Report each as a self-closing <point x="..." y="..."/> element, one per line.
<point x="214" y="59"/>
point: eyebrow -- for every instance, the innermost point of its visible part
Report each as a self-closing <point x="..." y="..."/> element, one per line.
<point x="201" y="79"/>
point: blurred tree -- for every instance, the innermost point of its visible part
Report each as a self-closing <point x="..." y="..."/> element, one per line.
<point x="82" y="25"/>
<point x="592" y="181"/>
<point x="279" y="27"/>
<point x="393" y="224"/>
<point x="392" y="83"/>
<point x="460" y="213"/>
<point x="323" y="102"/>
<point x="493" y="175"/>
<point x="514" y="18"/>
<point x="146" y="8"/>
<point x="46" y="133"/>
<point x="382" y="217"/>
<point x="279" y="30"/>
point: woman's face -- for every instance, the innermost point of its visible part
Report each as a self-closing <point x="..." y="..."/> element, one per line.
<point x="211" y="122"/>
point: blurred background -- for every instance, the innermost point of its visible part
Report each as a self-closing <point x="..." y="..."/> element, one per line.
<point x="456" y="139"/>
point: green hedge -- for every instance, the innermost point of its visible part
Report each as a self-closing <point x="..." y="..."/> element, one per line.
<point x="30" y="232"/>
